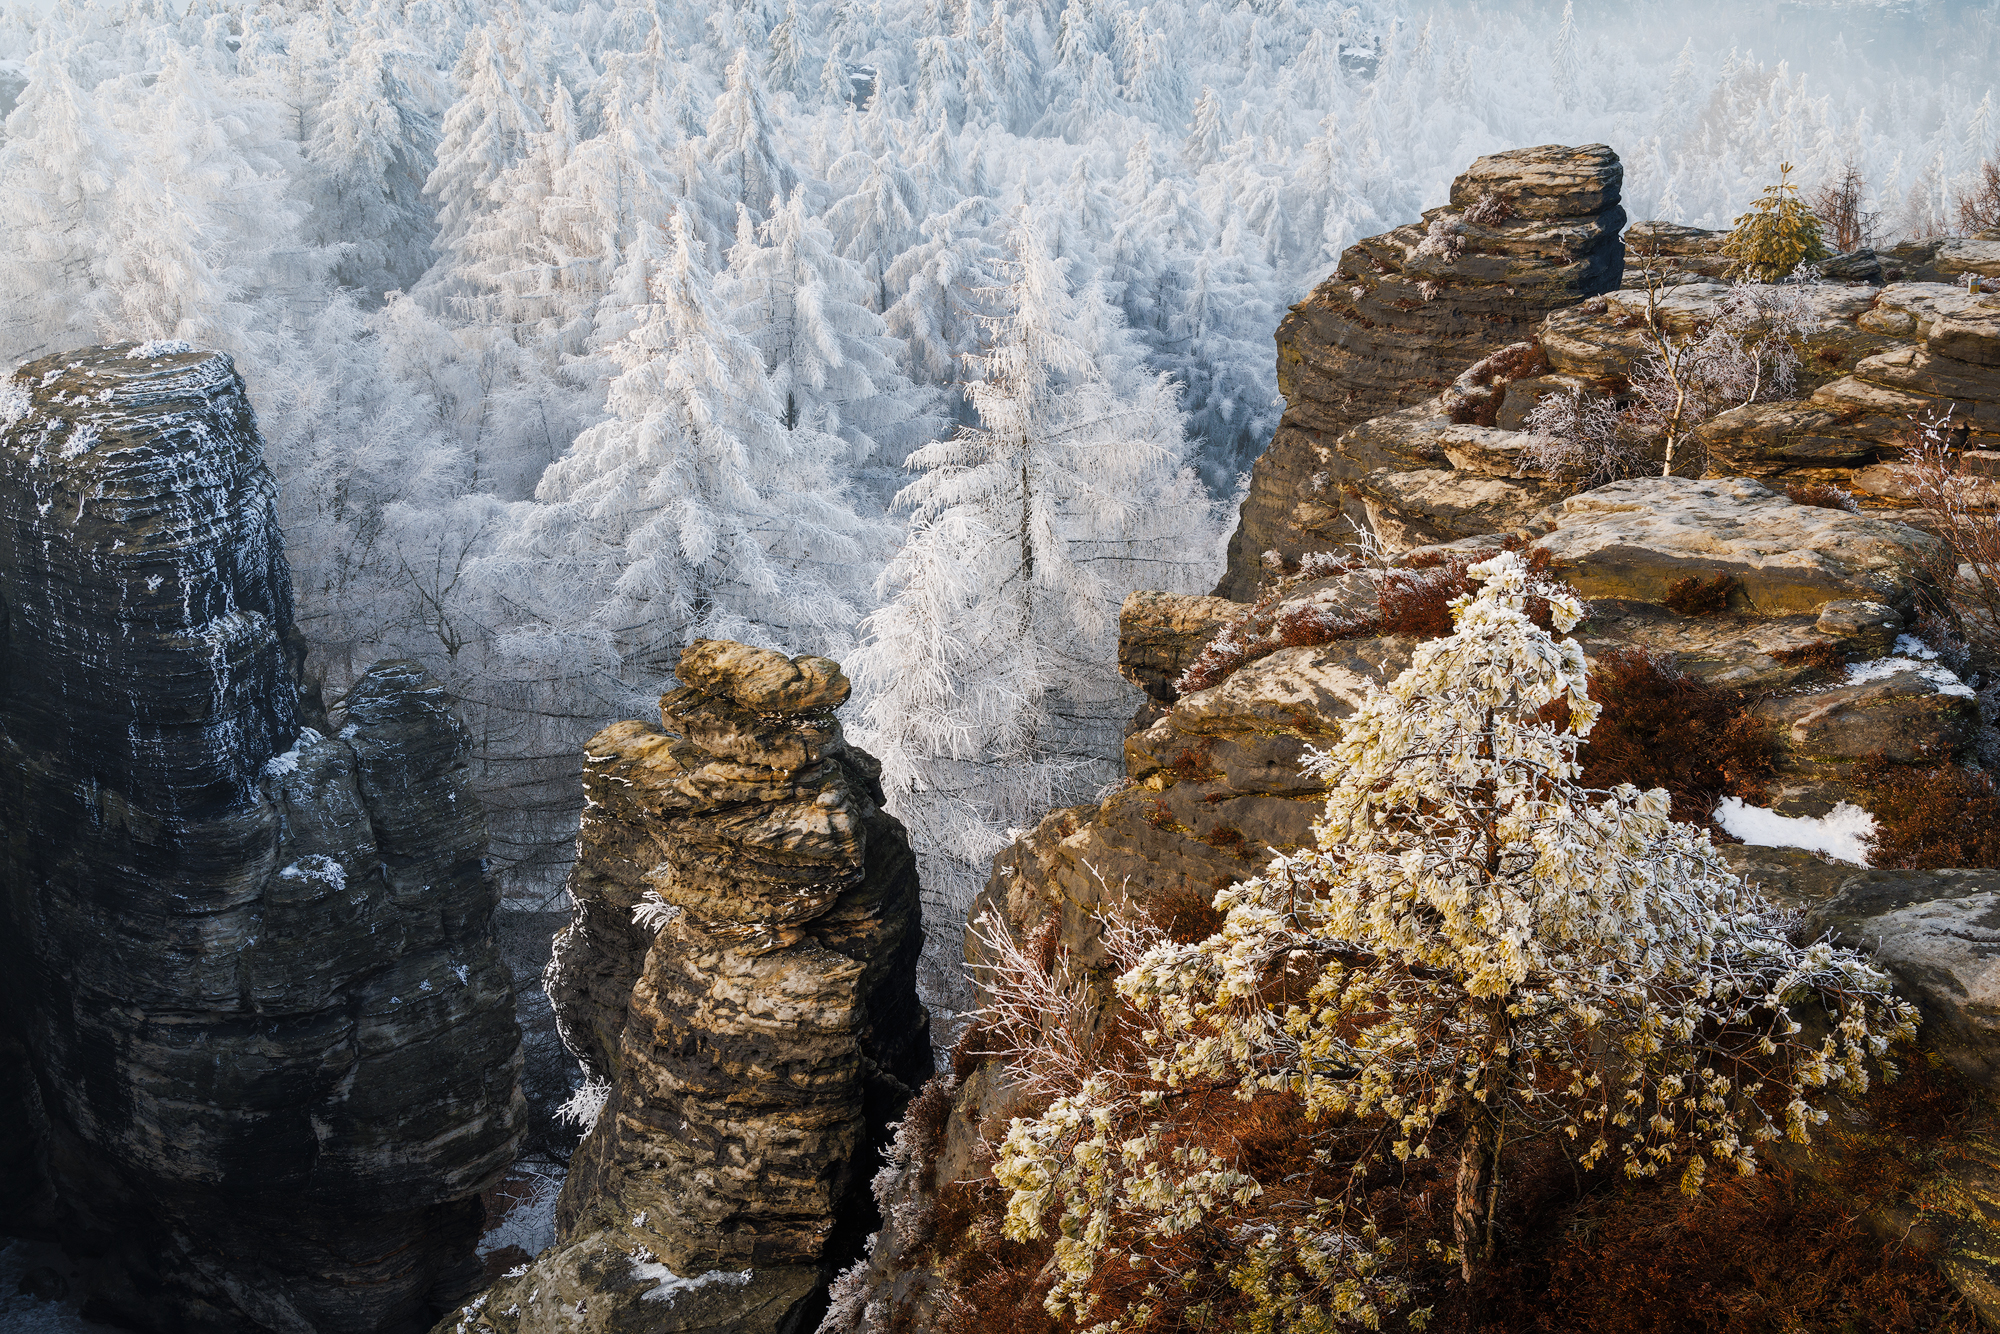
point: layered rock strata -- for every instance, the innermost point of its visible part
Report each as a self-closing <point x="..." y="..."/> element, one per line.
<point x="740" y="976"/>
<point x="245" y="946"/>
<point x="1525" y="232"/>
<point x="1872" y="360"/>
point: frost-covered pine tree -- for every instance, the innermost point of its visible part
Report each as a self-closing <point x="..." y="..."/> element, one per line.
<point x="1204" y="141"/>
<point x="486" y="129"/>
<point x="741" y="149"/>
<point x="691" y="511"/>
<point x="988" y="678"/>
<point x="832" y="364"/>
<point x="371" y="152"/>
<point x="1475" y="954"/>
<point x="875" y="218"/>
<point x="938" y="315"/>
<point x="134" y="210"/>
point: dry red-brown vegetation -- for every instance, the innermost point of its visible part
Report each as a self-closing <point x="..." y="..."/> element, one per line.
<point x="1187" y="914"/>
<point x="1823" y="495"/>
<point x="1929" y="818"/>
<point x="1475" y="396"/>
<point x="1822" y="657"/>
<point x="1979" y="207"/>
<point x="1695" y="596"/>
<point x="1663" y="728"/>
<point x="1582" y="1252"/>
<point x="1412" y="599"/>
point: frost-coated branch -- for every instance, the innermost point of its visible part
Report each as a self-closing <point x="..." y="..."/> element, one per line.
<point x="1490" y="952"/>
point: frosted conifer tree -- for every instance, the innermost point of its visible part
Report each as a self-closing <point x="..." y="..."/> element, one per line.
<point x="1204" y="141"/>
<point x="876" y="219"/>
<point x="691" y="511"/>
<point x="1478" y="953"/>
<point x="938" y="315"/>
<point x="371" y="149"/>
<point x="740" y="148"/>
<point x="988" y="678"/>
<point x="785" y="66"/>
<point x="486" y="130"/>
<point x="831" y="362"/>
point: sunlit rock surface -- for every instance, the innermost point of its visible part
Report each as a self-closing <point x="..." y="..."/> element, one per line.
<point x="756" y="1020"/>
<point x="1526" y="232"/>
<point x="260" y="1036"/>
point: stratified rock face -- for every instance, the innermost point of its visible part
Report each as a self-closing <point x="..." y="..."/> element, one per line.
<point x="1526" y="232"/>
<point x="248" y="963"/>
<point x="757" y="1023"/>
<point x="1456" y="466"/>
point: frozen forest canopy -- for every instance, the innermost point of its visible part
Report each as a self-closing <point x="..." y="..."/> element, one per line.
<point x="914" y="333"/>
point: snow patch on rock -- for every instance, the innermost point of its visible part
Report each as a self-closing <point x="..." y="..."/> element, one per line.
<point x="316" y="867"/>
<point x="289" y="761"/>
<point x="1843" y="833"/>
<point x="668" y="1285"/>
<point x="1912" y="655"/>
<point x="14" y="405"/>
<point x="159" y="347"/>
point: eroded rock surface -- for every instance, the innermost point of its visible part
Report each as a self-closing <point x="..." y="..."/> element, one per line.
<point x="246" y="945"/>
<point x="1526" y="232"/>
<point x="1458" y="463"/>
<point x="740" y="972"/>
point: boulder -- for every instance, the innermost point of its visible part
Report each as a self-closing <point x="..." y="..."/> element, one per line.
<point x="1677" y="253"/>
<point x="1961" y="255"/>
<point x="1855" y="266"/>
<point x="247" y="946"/>
<point x="1422" y="507"/>
<point x="1915" y="715"/>
<point x="739" y="979"/>
<point x="1404" y="313"/>
<point x="1159" y="634"/>
<point x="1634" y="540"/>
<point x="1939" y="933"/>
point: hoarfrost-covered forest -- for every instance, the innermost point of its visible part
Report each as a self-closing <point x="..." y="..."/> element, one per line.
<point x="910" y="332"/>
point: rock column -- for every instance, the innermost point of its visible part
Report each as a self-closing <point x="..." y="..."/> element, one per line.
<point x="740" y="974"/>
<point x="262" y="1040"/>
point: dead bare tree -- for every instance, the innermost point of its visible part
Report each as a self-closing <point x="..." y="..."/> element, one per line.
<point x="1980" y="210"/>
<point x="1966" y="511"/>
<point x="1837" y="204"/>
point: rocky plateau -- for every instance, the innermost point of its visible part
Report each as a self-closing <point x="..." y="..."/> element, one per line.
<point x="1400" y="451"/>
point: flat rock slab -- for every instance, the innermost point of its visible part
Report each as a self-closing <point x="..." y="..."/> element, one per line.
<point x="1939" y="933"/>
<point x="1636" y="539"/>
<point x="1904" y="717"/>
<point x="608" y="1283"/>
<point x="1547" y="181"/>
<point x="761" y="678"/>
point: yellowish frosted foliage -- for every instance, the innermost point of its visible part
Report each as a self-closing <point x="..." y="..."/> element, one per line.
<point x="1493" y="953"/>
<point x="1779" y="233"/>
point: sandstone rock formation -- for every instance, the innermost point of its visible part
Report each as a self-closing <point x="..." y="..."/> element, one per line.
<point x="740" y="973"/>
<point x="1525" y="232"/>
<point x="244" y="945"/>
<point x="1215" y="785"/>
<point x="1873" y="359"/>
<point x="1672" y="253"/>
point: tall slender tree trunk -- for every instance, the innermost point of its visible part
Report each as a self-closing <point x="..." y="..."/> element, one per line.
<point x="1470" y="1209"/>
